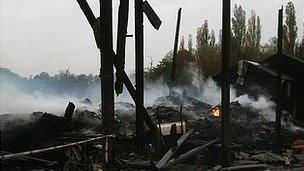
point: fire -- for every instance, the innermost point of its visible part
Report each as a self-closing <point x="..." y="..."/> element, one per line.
<point x="216" y="112"/>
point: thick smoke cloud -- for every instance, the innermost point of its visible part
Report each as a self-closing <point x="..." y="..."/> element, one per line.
<point x="27" y="96"/>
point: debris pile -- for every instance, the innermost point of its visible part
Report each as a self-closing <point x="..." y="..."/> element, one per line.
<point x="195" y="144"/>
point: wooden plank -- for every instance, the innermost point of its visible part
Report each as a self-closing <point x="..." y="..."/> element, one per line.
<point x="246" y="167"/>
<point x="21" y="154"/>
<point x="189" y="154"/>
<point x="152" y="16"/>
<point x="171" y="153"/>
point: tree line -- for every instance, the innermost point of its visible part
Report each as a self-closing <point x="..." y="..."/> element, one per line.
<point x="245" y="43"/>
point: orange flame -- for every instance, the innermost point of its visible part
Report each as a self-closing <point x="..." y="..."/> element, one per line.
<point x="216" y="112"/>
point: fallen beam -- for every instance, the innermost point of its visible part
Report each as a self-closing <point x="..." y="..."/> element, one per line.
<point x="34" y="159"/>
<point x="22" y="154"/>
<point x="246" y="167"/>
<point x="172" y="152"/>
<point x="189" y="154"/>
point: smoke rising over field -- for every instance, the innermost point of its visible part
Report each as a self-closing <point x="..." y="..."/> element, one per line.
<point x="52" y="94"/>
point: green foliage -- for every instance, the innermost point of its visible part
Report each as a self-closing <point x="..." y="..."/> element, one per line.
<point x="245" y="43"/>
<point x="290" y="29"/>
<point x="239" y="29"/>
<point x="253" y="37"/>
<point x="163" y="68"/>
<point x="202" y="35"/>
<point x="190" y="44"/>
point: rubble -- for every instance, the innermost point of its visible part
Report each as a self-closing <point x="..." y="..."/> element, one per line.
<point x="252" y="137"/>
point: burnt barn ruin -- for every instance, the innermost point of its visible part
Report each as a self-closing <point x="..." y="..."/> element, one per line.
<point x="178" y="132"/>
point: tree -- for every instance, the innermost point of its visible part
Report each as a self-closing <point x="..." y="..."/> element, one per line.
<point x="182" y="44"/>
<point x="253" y="36"/>
<point x="190" y="45"/>
<point x="212" y="38"/>
<point x="290" y="29"/>
<point x="239" y="28"/>
<point x="300" y="47"/>
<point x="163" y="68"/>
<point x="203" y="36"/>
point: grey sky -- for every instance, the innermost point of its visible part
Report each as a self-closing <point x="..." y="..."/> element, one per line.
<point x="53" y="35"/>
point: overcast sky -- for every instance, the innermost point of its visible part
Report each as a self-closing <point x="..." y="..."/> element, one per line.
<point x="53" y="35"/>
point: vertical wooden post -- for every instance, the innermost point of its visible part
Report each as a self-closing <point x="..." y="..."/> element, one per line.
<point x="173" y="67"/>
<point x="139" y="68"/>
<point x="159" y="142"/>
<point x="181" y="119"/>
<point x="106" y="77"/>
<point x="278" y="80"/>
<point x="226" y="83"/>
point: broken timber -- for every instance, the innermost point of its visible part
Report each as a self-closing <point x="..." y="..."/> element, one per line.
<point x="172" y="152"/>
<point x="190" y="153"/>
<point x="121" y="43"/>
<point x="246" y="167"/>
<point x="174" y="60"/>
<point x="90" y="17"/>
<point x="152" y="16"/>
<point x="21" y="154"/>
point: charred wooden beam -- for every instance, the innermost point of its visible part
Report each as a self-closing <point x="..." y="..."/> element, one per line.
<point x="159" y="143"/>
<point x="279" y="97"/>
<point x="181" y="119"/>
<point x="87" y="11"/>
<point x="139" y="70"/>
<point x="26" y="153"/>
<point x="145" y="114"/>
<point x="121" y="43"/>
<point x="152" y="16"/>
<point x="247" y="167"/>
<point x="125" y="78"/>
<point x="68" y="114"/>
<point x="174" y="60"/>
<point x="106" y="77"/>
<point x="189" y="154"/>
<point x="172" y="152"/>
<point x="226" y="83"/>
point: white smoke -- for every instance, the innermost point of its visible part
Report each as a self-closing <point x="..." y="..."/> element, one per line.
<point x="15" y="100"/>
<point x="211" y="94"/>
